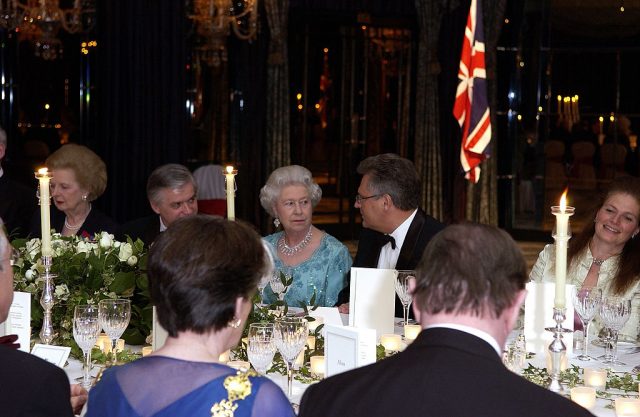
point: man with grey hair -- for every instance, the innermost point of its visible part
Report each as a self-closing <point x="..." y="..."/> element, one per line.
<point x="470" y="284"/>
<point x="396" y="230"/>
<point x="172" y="194"/>
<point x="17" y="202"/>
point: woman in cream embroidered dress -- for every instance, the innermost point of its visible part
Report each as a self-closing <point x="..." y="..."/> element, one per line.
<point x="606" y="254"/>
<point x="203" y="272"/>
<point x="318" y="262"/>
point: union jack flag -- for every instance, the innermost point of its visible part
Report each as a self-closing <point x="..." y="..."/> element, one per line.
<point x="472" y="107"/>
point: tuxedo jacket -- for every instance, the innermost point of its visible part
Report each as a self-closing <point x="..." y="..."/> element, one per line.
<point x="32" y="387"/>
<point x="144" y="228"/>
<point x="17" y="205"/>
<point x="421" y="230"/>
<point x="95" y="222"/>
<point x="443" y="373"/>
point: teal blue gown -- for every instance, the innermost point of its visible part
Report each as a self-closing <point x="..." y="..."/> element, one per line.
<point x="324" y="273"/>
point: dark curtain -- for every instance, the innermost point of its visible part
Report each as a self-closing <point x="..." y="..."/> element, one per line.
<point x="141" y="97"/>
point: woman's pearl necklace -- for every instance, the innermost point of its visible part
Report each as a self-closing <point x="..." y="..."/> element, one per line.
<point x="292" y="250"/>
<point x="75" y="228"/>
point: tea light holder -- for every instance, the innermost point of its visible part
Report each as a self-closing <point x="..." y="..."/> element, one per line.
<point x="392" y="343"/>
<point x="317" y="366"/>
<point x="239" y="365"/>
<point x="584" y="396"/>
<point x="311" y="342"/>
<point x="411" y="331"/>
<point x="146" y="351"/>
<point x="596" y="378"/>
<point x="104" y="343"/>
<point x="626" y="407"/>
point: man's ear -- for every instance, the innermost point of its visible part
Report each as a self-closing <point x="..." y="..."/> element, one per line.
<point x="155" y="207"/>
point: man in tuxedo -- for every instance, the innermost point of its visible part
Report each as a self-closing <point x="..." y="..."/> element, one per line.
<point x="467" y="294"/>
<point x="17" y="202"/>
<point x="172" y="193"/>
<point x="30" y="386"/>
<point x="395" y="230"/>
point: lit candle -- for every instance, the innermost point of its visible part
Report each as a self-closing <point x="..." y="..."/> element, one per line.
<point x="146" y="351"/>
<point x="559" y="104"/>
<point x="104" y="343"/>
<point x="45" y="219"/>
<point x="231" y="182"/>
<point x="596" y="378"/>
<point x="627" y="407"/>
<point x="584" y="396"/>
<point x="311" y="342"/>
<point x="391" y="342"/>
<point x="224" y="357"/>
<point x="577" y="107"/>
<point x="601" y="122"/>
<point x="317" y="365"/>
<point x="562" y="213"/>
<point x="411" y="331"/>
<point x="239" y="365"/>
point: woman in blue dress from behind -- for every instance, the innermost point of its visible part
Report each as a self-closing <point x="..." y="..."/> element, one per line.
<point x="203" y="297"/>
<point x="318" y="262"/>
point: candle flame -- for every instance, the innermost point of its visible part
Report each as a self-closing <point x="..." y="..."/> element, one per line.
<point x="563" y="200"/>
<point x="229" y="169"/>
<point x="43" y="171"/>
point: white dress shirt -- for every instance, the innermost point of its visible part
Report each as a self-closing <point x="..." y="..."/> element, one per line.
<point x="473" y="331"/>
<point x="389" y="256"/>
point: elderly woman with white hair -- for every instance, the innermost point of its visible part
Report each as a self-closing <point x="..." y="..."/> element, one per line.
<point x="317" y="262"/>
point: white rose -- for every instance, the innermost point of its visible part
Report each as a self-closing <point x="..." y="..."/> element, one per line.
<point x="106" y="240"/>
<point x="132" y="260"/>
<point x="117" y="244"/>
<point x="83" y="247"/>
<point x="32" y="248"/>
<point x="30" y="274"/>
<point x="126" y="251"/>
<point x="62" y="291"/>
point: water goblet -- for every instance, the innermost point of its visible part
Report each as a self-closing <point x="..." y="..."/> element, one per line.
<point x="614" y="312"/>
<point x="586" y="302"/>
<point x="262" y="346"/>
<point x="291" y="337"/>
<point x="86" y="328"/>
<point x="114" y="316"/>
<point x="403" y="291"/>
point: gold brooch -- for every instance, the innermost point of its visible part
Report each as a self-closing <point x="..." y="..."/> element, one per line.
<point x="238" y="387"/>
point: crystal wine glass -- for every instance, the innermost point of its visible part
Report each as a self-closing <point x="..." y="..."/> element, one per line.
<point x="86" y="328"/>
<point x="262" y="346"/>
<point x="402" y="290"/>
<point x="277" y="286"/>
<point x="586" y="302"/>
<point x="614" y="312"/>
<point x="291" y="336"/>
<point x="114" y="316"/>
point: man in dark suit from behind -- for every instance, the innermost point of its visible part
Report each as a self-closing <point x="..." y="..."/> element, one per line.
<point x="395" y="230"/>
<point x="467" y="295"/>
<point x="17" y="201"/>
<point x="172" y="193"/>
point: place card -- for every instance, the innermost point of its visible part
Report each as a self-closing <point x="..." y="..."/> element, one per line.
<point x="159" y="333"/>
<point x="347" y="348"/>
<point x="19" y="320"/>
<point x="538" y="314"/>
<point x="372" y="299"/>
<point x="56" y="355"/>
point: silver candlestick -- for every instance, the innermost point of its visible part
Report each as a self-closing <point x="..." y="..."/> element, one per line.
<point x="47" y="301"/>
<point x="557" y="350"/>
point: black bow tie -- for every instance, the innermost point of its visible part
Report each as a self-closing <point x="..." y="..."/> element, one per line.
<point x="384" y="239"/>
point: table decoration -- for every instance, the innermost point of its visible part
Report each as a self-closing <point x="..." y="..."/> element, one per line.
<point x="146" y="351"/>
<point x="230" y="179"/>
<point x="88" y="271"/>
<point x="311" y="341"/>
<point x="596" y="378"/>
<point x="584" y="396"/>
<point x="317" y="366"/>
<point x="627" y="407"/>
<point x="391" y="342"/>
<point x="411" y="331"/>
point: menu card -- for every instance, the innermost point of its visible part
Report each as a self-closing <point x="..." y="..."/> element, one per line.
<point x="19" y="320"/>
<point x="538" y="314"/>
<point x="372" y="299"/>
<point x="347" y="348"/>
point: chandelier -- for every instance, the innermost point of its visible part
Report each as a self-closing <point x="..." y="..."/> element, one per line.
<point x="40" y="21"/>
<point x="215" y="19"/>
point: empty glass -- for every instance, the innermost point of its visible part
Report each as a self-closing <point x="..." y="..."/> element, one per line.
<point x="402" y="290"/>
<point x="262" y="346"/>
<point x="291" y="337"/>
<point x="586" y="302"/>
<point x="114" y="316"/>
<point x="614" y="313"/>
<point x="86" y="329"/>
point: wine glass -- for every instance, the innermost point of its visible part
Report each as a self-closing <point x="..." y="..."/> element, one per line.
<point x="262" y="346"/>
<point x="86" y="328"/>
<point x="404" y="294"/>
<point x="291" y="336"/>
<point x="586" y="302"/>
<point x="114" y="316"/>
<point x="277" y="286"/>
<point x="614" y="312"/>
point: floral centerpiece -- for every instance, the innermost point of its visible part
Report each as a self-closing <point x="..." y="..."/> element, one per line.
<point x="87" y="272"/>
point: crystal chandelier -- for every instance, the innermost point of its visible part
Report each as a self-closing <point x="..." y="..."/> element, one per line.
<point x="215" y="19"/>
<point x="40" y="21"/>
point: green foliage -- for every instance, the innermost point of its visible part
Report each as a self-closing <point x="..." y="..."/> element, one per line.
<point x="87" y="271"/>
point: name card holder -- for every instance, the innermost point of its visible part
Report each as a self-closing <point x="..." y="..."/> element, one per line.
<point x="347" y="348"/>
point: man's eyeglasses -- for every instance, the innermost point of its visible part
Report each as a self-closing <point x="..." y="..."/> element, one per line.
<point x="360" y="199"/>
